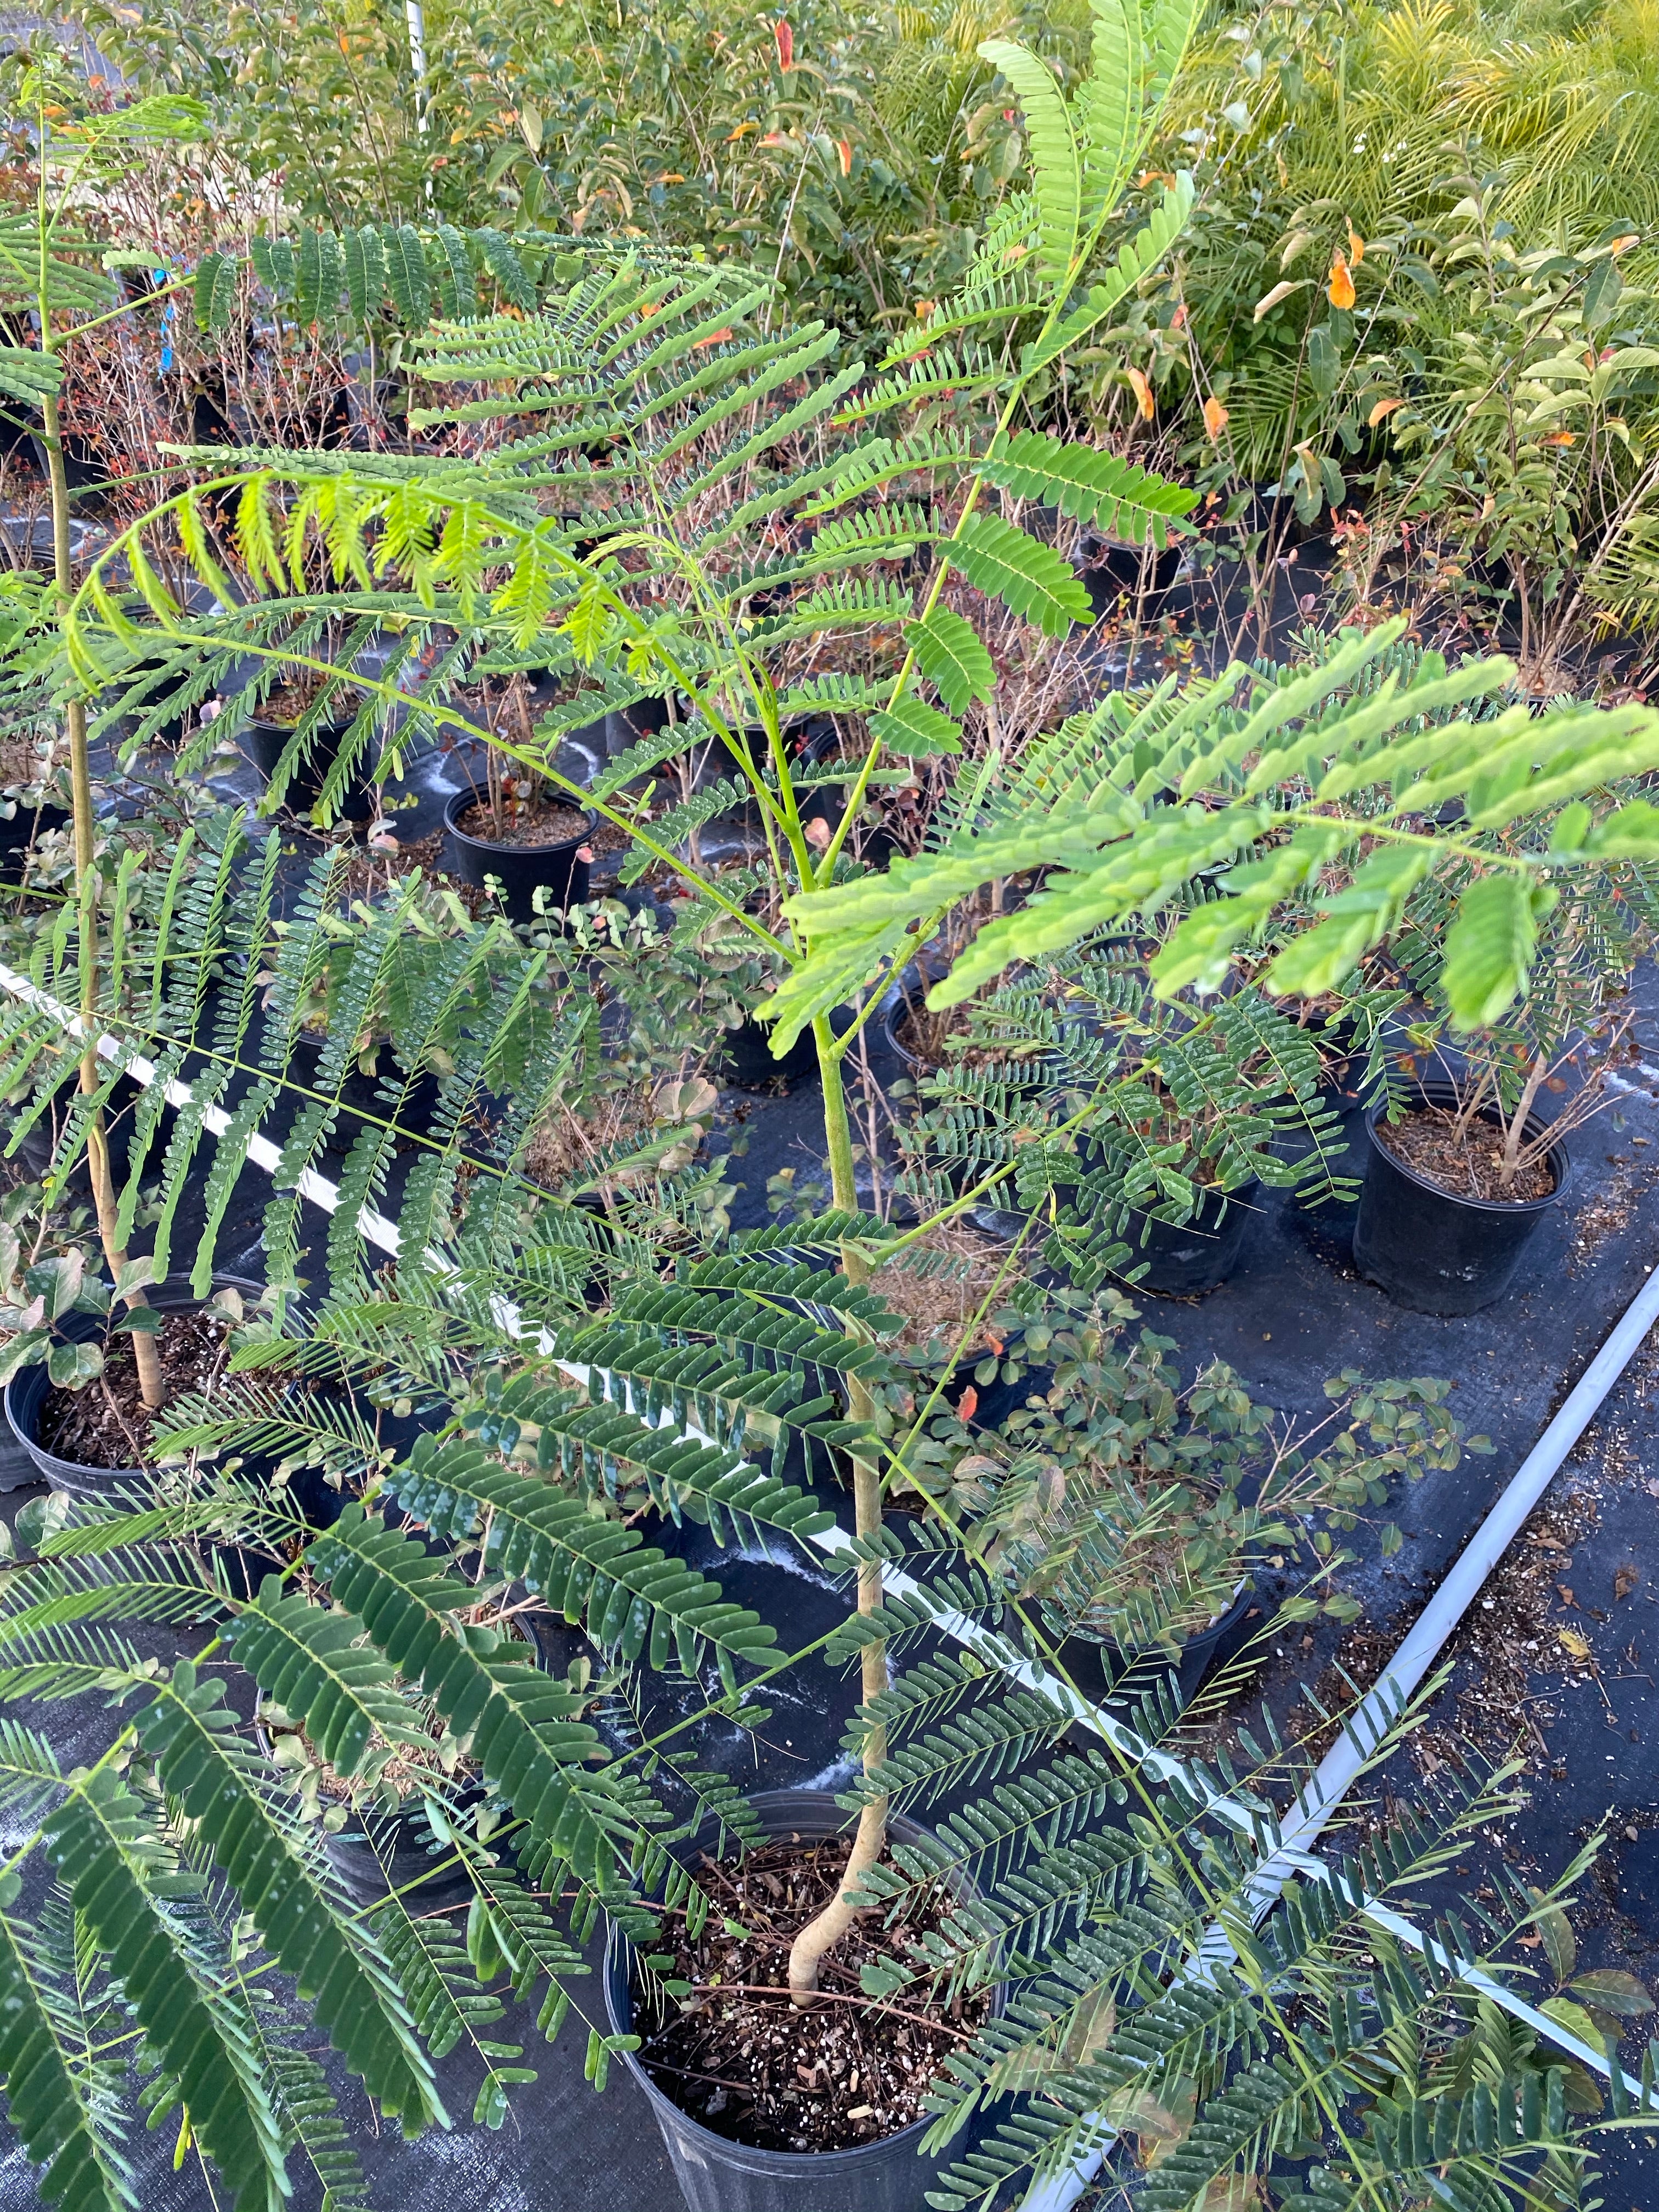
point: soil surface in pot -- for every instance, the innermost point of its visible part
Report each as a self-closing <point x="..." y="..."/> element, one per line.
<point x="289" y="702"/>
<point x="927" y="1038"/>
<point x="744" y="2063"/>
<point x="541" y="825"/>
<point x="610" y="840"/>
<point x="948" y="1277"/>
<point x="106" y="1423"/>
<point x="1467" y="1164"/>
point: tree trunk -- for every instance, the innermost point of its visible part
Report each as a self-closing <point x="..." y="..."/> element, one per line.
<point x="837" y="1918"/>
<point x="145" y="1355"/>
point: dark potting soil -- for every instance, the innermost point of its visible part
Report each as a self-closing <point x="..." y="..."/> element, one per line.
<point x="106" y="1423"/>
<point x="289" y="701"/>
<point x="924" y="1035"/>
<point x="544" y="825"/>
<point x="745" y="2064"/>
<point x="1467" y="1164"/>
<point x="928" y="1037"/>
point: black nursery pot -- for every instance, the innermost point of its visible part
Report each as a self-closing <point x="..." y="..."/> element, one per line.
<point x="360" y="1095"/>
<point x="264" y="743"/>
<point x="25" y="826"/>
<point x="27" y="1391"/>
<point x="746" y="1062"/>
<point x="521" y="870"/>
<point x="1097" y="1668"/>
<point x="378" y="1853"/>
<point x="1427" y="1248"/>
<point x="387" y="1851"/>
<point x="717" y="2175"/>
<point x="1186" y="1260"/>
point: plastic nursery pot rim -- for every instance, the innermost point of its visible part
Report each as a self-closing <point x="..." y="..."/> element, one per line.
<point x="1507" y="1209"/>
<point x="815" y="1817"/>
<point x="462" y="802"/>
<point x="172" y="1296"/>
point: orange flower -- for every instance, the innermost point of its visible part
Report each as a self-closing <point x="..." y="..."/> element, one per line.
<point x="785" y="38"/>
<point x="1142" y="393"/>
<point x="844" y="156"/>
<point x="1356" y="246"/>
<point x="1340" y="291"/>
<point x="1215" y="418"/>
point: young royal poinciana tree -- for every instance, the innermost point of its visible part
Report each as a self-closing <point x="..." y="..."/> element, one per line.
<point x="734" y="519"/>
<point x="701" y="504"/>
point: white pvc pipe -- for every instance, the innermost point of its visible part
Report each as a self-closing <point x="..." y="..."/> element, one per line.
<point x="415" y="14"/>
<point x="1336" y="1772"/>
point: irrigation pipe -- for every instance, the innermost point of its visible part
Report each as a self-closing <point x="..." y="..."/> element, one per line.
<point x="1362" y="1732"/>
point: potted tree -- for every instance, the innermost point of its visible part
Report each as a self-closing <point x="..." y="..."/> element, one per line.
<point x="516" y="831"/>
<point x="548" y="587"/>
<point x="1463" y="1162"/>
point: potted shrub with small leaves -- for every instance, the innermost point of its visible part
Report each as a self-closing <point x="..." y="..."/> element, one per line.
<point x="1135" y="1509"/>
<point x="1464" y="1163"/>
<point x="514" y="832"/>
<point x="73" y="1391"/>
<point x="311" y="738"/>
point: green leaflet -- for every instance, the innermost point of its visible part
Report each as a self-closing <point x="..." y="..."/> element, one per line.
<point x="1091" y="485"/>
<point x="224" y="1782"/>
<point x="935" y="880"/>
<point x="1489" y="944"/>
<point x="313" y="1663"/>
<point x="952" y="656"/>
<point x="407" y="277"/>
<point x="102" y="1844"/>
<point x="43" y="2078"/>
<point x="1632" y="832"/>
<point x="1055" y="168"/>
<point x="1139" y="256"/>
<point x="628" y="1593"/>
<point x="518" y="1719"/>
<point x="1108" y="107"/>
<point x="28" y="374"/>
<point x="913" y="728"/>
<point x="1134" y="878"/>
<point x="364" y="258"/>
<point x="317" y="277"/>
<point x="457" y="291"/>
<point x="505" y="266"/>
<point x="1354" y="921"/>
<point x="1200" y="950"/>
<point x="274" y="265"/>
<point x="1029" y="578"/>
<point x="1278" y="704"/>
<point x="1168" y="25"/>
